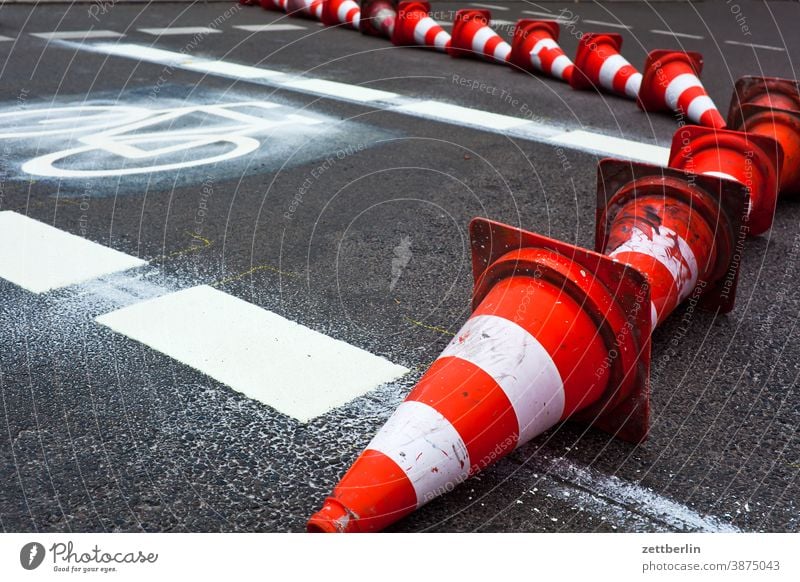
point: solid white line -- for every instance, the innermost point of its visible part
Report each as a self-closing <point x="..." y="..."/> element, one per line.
<point x="178" y="30"/>
<point x="490" y="6"/>
<point x="40" y="257"/>
<point x="294" y="369"/>
<point x="508" y="125"/>
<point x="269" y="27"/>
<point x="677" y="34"/>
<point x="232" y="70"/>
<point x="609" y="24"/>
<point x="761" y="46"/>
<point x="77" y="34"/>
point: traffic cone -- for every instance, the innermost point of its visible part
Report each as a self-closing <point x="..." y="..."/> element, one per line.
<point x="558" y="332"/>
<point x="305" y="8"/>
<point x="279" y="5"/>
<point x="414" y="27"/>
<point x="772" y="92"/>
<point x="378" y="17"/>
<point x="535" y="48"/>
<point x="679" y="229"/>
<point x="599" y="63"/>
<point x="335" y="12"/>
<point x="472" y="36"/>
<point x="751" y="160"/>
<point x="771" y="107"/>
<point x="671" y="81"/>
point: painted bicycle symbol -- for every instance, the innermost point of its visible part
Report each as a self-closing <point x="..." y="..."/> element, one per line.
<point x="134" y="140"/>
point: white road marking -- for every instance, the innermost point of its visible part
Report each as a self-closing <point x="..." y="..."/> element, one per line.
<point x="40" y="257"/>
<point x="490" y="6"/>
<point x="294" y="369"/>
<point x="233" y="70"/>
<point x="5" y="38"/>
<point x="751" y="45"/>
<point x="508" y="125"/>
<point x="548" y="15"/>
<point x="77" y="34"/>
<point x="269" y="27"/>
<point x="609" y="24"/>
<point x="677" y="34"/>
<point x="179" y="30"/>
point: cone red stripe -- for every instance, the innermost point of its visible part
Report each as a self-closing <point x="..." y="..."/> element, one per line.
<point x="519" y="364"/>
<point x="274" y="4"/>
<point x="487" y="42"/>
<point x="428" y="32"/>
<point x="618" y="75"/>
<point x="349" y="13"/>
<point x="548" y="57"/>
<point x="423" y="443"/>
<point x="474" y="404"/>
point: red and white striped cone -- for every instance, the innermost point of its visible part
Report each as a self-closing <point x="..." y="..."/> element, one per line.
<point x="279" y="5"/>
<point x="378" y="17"/>
<point x="751" y="160"/>
<point x="771" y="107"/>
<point x="671" y="82"/>
<point x="305" y="8"/>
<point x="335" y="12"/>
<point x="472" y="36"/>
<point x="599" y="63"/>
<point x="535" y="351"/>
<point x="414" y="27"/>
<point x="535" y="48"/>
<point x="678" y="229"/>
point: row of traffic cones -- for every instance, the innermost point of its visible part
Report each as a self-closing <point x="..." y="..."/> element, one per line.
<point x="671" y="79"/>
<point x="561" y="333"/>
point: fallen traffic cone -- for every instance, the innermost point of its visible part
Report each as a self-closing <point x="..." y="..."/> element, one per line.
<point x="472" y="36"/>
<point x="671" y="81"/>
<point x="535" y="48"/>
<point x="414" y="27"/>
<point x="279" y="5"/>
<point x="772" y="92"/>
<point x="599" y="63"/>
<point x="335" y="12"/>
<point x="305" y="8"/>
<point x="558" y="332"/>
<point x="679" y="229"/>
<point x="751" y="160"/>
<point x="378" y="17"/>
<point x="771" y="107"/>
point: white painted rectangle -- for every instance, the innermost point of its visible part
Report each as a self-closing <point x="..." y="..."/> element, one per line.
<point x="608" y="24"/>
<point x="269" y="27"/>
<point x="490" y="6"/>
<point x="462" y="115"/>
<point x="179" y="30"/>
<point x="613" y="146"/>
<point x="677" y="34"/>
<point x="339" y="90"/>
<point x="77" y="34"/>
<point x="294" y="369"/>
<point x="40" y="257"/>
<point x="229" y="69"/>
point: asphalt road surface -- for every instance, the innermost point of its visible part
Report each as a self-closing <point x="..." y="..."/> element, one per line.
<point x="192" y="251"/>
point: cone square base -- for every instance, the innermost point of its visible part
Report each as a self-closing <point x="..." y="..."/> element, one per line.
<point x="766" y="91"/>
<point x="727" y="198"/>
<point x="624" y="417"/>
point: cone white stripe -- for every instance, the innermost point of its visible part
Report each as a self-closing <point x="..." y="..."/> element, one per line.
<point x="501" y="51"/>
<point x="722" y="175"/>
<point x="519" y="364"/>
<point x="480" y="39"/>
<point x="633" y="84"/>
<point x="426" y="447"/>
<point x="677" y="86"/>
<point x="609" y="70"/>
<point x="422" y="28"/>
<point x="560" y="64"/>
<point x="542" y="44"/>
<point x="442" y="40"/>
<point x="660" y="245"/>
<point x="699" y="106"/>
<point x="344" y="8"/>
<point x="653" y="315"/>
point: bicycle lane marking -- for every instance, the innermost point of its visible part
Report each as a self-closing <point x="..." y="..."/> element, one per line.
<point x="512" y="126"/>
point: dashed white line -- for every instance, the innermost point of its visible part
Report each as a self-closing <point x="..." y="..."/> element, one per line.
<point x="269" y="27"/>
<point x="609" y="24"/>
<point x="490" y="6"/>
<point x="548" y="15"/>
<point x="5" y="38"/>
<point x="677" y="34"/>
<point x="40" y="257"/>
<point x="752" y="45"/>
<point x="509" y="125"/>
<point x="77" y="34"/>
<point x="296" y="370"/>
<point x="179" y="30"/>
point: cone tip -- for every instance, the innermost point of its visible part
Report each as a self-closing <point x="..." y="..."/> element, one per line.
<point x="332" y="518"/>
